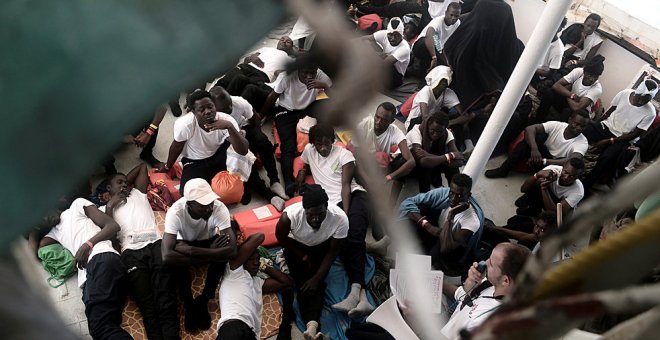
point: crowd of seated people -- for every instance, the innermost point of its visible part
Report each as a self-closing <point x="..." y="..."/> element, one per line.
<point x="566" y="148"/>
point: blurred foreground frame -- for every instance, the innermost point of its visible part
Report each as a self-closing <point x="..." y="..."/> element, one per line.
<point x="77" y="75"/>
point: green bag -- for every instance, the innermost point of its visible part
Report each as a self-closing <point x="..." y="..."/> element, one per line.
<point x="58" y="262"/>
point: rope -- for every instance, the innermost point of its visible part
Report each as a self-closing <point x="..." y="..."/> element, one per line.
<point x="568" y="275"/>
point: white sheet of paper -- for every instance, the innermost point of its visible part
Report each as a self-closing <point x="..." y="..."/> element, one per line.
<point x="262" y="212"/>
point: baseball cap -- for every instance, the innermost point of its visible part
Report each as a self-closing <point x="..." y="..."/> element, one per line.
<point x="200" y="191"/>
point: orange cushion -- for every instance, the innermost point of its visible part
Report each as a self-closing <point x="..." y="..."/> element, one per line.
<point x="171" y="184"/>
<point x="249" y="216"/>
<point x="267" y="227"/>
<point x="293" y="201"/>
<point x="228" y="186"/>
<point x="407" y="105"/>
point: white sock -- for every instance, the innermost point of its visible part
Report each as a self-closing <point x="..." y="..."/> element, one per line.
<point x="469" y="146"/>
<point x="351" y="301"/>
<point x="311" y="331"/>
<point x="278" y="190"/>
<point x="363" y="308"/>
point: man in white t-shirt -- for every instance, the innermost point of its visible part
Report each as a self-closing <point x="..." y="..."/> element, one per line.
<point x="311" y="233"/>
<point x="394" y="51"/>
<point x="202" y="139"/>
<point x="250" y="122"/>
<point x="431" y="41"/>
<point x="436" y="95"/>
<point x="447" y="224"/>
<point x="581" y="48"/>
<point x="295" y="95"/>
<point x="551" y="62"/>
<point x="550" y="143"/>
<point x="381" y="135"/>
<point x="630" y="114"/>
<point x="249" y="78"/>
<point x="554" y="184"/>
<point x="439" y="7"/>
<point x="86" y="232"/>
<point x="480" y="296"/>
<point x="578" y="90"/>
<point x="150" y="284"/>
<point x="333" y="168"/>
<point x="197" y="231"/>
<point x="241" y="302"/>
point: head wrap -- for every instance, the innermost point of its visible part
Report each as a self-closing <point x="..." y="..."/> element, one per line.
<point x="595" y="65"/>
<point x="411" y="19"/>
<point x="643" y="88"/>
<point x="313" y="196"/>
<point x="437" y="74"/>
<point x="399" y="28"/>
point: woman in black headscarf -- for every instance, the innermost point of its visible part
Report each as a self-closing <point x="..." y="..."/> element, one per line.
<point x="484" y="50"/>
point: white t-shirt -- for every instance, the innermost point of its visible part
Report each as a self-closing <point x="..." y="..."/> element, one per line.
<point x="554" y="55"/>
<point x="327" y="171"/>
<point x="558" y="146"/>
<point x="441" y="28"/>
<point x="470" y="317"/>
<point x="240" y="298"/>
<point x="467" y="220"/>
<point x="76" y="228"/>
<point x="335" y="225"/>
<point x="137" y="222"/>
<point x="241" y="110"/>
<point x="400" y="52"/>
<point x="294" y="95"/>
<point x="274" y="60"/>
<point x="179" y="222"/>
<point x="572" y="194"/>
<point x="414" y="136"/>
<point x="392" y="136"/>
<point x="199" y="143"/>
<point x="590" y="41"/>
<point x="626" y="117"/>
<point x="437" y="9"/>
<point x="592" y="92"/>
<point x="447" y="99"/>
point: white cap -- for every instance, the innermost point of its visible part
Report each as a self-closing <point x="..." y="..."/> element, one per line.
<point x="399" y="28"/>
<point x="437" y="74"/>
<point x="200" y="191"/>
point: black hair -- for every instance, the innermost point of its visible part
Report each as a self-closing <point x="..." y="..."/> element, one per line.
<point x="515" y="256"/>
<point x="389" y="107"/>
<point x="463" y="181"/>
<point x="454" y="5"/>
<point x="563" y="23"/>
<point x="439" y="117"/>
<point x="395" y="23"/>
<point x="650" y="84"/>
<point x="584" y="113"/>
<point x="111" y="177"/>
<point x="576" y="162"/>
<point x="195" y="96"/>
<point x="595" y="17"/>
<point x="306" y="64"/>
<point x="319" y="131"/>
<point x="549" y="217"/>
<point x="595" y="65"/>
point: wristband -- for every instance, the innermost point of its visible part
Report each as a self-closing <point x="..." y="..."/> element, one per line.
<point x="90" y="244"/>
<point x="304" y="258"/>
<point x="149" y="131"/>
<point x="535" y="176"/>
<point x="447" y="157"/>
<point x="388" y="177"/>
<point x="572" y="96"/>
<point x="153" y="126"/>
<point x="421" y="219"/>
<point x="611" y="140"/>
<point x="545" y="161"/>
<point x="424" y="223"/>
<point x="434" y="58"/>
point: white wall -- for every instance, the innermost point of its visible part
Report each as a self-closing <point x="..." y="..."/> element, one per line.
<point x="621" y="66"/>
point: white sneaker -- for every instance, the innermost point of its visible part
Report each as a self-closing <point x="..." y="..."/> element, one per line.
<point x="278" y="190"/>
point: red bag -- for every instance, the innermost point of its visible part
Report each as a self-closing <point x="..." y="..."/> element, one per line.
<point x="365" y="22"/>
<point x="407" y="105"/>
<point x="228" y="186"/>
<point x="249" y="224"/>
<point x="172" y="185"/>
<point x="266" y="227"/>
<point x="159" y="196"/>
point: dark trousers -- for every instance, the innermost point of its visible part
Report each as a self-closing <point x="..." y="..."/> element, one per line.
<point x="236" y="79"/>
<point x="204" y="168"/>
<point x="261" y="146"/>
<point x="523" y="151"/>
<point x="151" y="285"/>
<point x="428" y="176"/>
<point x="257" y="186"/>
<point x="535" y="200"/>
<point x="213" y="276"/>
<point x="310" y="303"/>
<point x="103" y="297"/>
<point x="255" y="94"/>
<point x="596" y="132"/>
<point x="235" y="329"/>
<point x="421" y="59"/>
<point x="452" y="263"/>
<point x="556" y="101"/>
<point x="353" y="253"/>
<point x="607" y="164"/>
<point x="286" y="128"/>
<point x="395" y="79"/>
